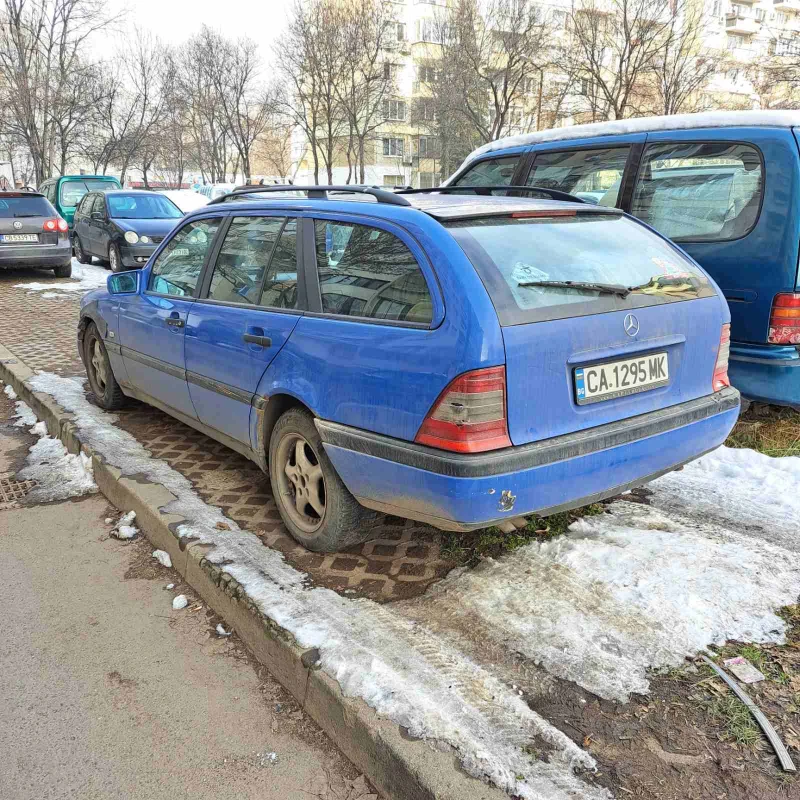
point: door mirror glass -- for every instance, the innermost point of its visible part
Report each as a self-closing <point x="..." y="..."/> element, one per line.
<point x="124" y="283"/>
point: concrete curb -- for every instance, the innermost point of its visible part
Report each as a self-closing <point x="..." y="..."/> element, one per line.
<point x="399" y="767"/>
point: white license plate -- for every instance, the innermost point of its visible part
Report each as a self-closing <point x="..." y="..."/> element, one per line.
<point x="621" y="378"/>
<point x="19" y="237"/>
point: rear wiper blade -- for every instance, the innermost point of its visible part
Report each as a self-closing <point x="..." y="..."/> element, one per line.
<point x="603" y="288"/>
<point x="27" y="215"/>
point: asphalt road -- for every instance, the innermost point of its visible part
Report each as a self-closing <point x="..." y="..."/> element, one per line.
<point x="106" y="692"/>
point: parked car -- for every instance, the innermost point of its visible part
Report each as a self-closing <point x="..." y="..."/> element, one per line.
<point x="186" y="199"/>
<point x="122" y="228"/>
<point x="32" y="234"/>
<point x="214" y="190"/>
<point x="725" y="186"/>
<point x="459" y="360"/>
<point x="67" y="191"/>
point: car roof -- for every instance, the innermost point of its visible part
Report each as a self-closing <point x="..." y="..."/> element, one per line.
<point x="17" y="193"/>
<point x="114" y="192"/>
<point x="440" y="206"/>
<point x="85" y="178"/>
<point x="708" y="119"/>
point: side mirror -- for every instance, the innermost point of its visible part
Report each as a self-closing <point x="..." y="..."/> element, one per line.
<point x="124" y="282"/>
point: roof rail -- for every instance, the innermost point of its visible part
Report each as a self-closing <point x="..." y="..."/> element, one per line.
<point x="553" y="194"/>
<point x="318" y="192"/>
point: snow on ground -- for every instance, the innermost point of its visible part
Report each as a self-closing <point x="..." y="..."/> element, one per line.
<point x="400" y="668"/>
<point x="10" y="393"/>
<point x="85" y="277"/>
<point x="739" y="489"/>
<point x="24" y="414"/>
<point x="620" y="593"/>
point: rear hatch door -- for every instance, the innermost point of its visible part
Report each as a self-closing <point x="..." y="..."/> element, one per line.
<point x="22" y="216"/>
<point x="577" y="356"/>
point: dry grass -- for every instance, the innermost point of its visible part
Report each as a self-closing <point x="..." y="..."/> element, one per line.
<point x="770" y="430"/>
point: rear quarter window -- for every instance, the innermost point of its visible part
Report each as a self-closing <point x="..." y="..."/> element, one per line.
<point x="514" y="256"/>
<point x="700" y="192"/>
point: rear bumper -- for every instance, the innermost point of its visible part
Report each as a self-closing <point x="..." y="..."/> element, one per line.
<point x="465" y="492"/>
<point x="36" y="256"/>
<point x="766" y="373"/>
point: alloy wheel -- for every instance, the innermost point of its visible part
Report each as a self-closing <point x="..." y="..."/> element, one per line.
<point x="99" y="365"/>
<point x="301" y="482"/>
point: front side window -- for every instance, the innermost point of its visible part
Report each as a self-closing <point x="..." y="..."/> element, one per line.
<point x="491" y="172"/>
<point x="593" y="175"/>
<point x="699" y="192"/>
<point x="552" y="267"/>
<point x="142" y="206"/>
<point x="177" y="269"/>
<point x="368" y="272"/>
<point x="243" y="259"/>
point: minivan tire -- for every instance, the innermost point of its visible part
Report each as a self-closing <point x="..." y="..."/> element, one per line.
<point x="80" y="253"/>
<point x="102" y="382"/>
<point x="63" y="270"/>
<point x="114" y="258"/>
<point x="342" y="521"/>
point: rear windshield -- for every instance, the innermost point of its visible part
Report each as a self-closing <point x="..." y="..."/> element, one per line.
<point x="25" y="207"/>
<point x="142" y="206"/>
<point x="624" y="265"/>
<point x="73" y="191"/>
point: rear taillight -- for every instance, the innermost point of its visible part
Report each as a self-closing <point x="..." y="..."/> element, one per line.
<point x="470" y="414"/>
<point x="784" y="322"/>
<point x="57" y="224"/>
<point x="720" y="379"/>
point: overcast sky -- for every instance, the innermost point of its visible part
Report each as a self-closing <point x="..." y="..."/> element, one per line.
<point x="174" y="21"/>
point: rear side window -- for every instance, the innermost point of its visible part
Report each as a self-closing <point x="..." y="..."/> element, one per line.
<point x="369" y="272"/>
<point x="177" y="269"/>
<point x="593" y="175"/>
<point x="700" y="192"/>
<point x="629" y="266"/>
<point x="25" y="207"/>
<point x="280" y="284"/>
<point x="491" y="172"/>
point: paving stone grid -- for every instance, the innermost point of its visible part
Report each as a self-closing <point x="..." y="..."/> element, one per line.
<point x="401" y="563"/>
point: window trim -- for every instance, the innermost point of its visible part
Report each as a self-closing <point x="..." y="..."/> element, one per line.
<point x="662" y="142"/>
<point x="212" y="251"/>
<point x="423" y="263"/>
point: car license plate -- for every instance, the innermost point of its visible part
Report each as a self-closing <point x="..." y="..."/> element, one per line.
<point x="621" y="378"/>
<point x="19" y="237"/>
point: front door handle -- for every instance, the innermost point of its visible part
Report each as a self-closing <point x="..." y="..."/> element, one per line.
<point x="264" y="341"/>
<point x="175" y="322"/>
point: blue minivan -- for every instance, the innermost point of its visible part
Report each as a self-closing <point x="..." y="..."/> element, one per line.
<point x="459" y="360"/>
<point x="725" y="186"/>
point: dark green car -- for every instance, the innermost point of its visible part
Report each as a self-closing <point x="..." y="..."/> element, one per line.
<point x="67" y="191"/>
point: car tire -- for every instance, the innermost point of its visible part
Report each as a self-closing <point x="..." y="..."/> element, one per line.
<point x="63" y="270"/>
<point x="324" y="517"/>
<point x="102" y="382"/>
<point x="114" y="258"/>
<point x="82" y="256"/>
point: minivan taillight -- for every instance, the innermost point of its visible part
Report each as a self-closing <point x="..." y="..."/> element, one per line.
<point x="784" y="322"/>
<point x="720" y="379"/>
<point x="470" y="414"/>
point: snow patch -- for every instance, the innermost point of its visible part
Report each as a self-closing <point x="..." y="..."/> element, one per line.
<point x="620" y="593"/>
<point x="401" y="669"/>
<point x="221" y="631"/>
<point x="25" y="416"/>
<point x="179" y="602"/>
<point x="125" y="529"/>
<point x="39" y="429"/>
<point x="10" y="393"/>
<point x="59" y="474"/>
<point x="85" y="277"/>
<point x="162" y="557"/>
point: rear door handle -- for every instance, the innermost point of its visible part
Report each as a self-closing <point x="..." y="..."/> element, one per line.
<point x="264" y="341"/>
<point x="176" y="322"/>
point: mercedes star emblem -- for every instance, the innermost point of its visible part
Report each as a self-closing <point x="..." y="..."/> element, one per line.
<point x="631" y="325"/>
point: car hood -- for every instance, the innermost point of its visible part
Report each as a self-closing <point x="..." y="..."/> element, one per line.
<point x="147" y="227"/>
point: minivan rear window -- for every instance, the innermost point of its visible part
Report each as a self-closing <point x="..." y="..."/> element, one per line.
<point x="72" y="192"/>
<point x="35" y="206"/>
<point x="520" y="258"/>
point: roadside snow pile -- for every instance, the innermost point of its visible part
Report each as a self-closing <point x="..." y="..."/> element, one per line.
<point x="740" y="489"/>
<point x="59" y="474"/>
<point x="400" y="668"/>
<point x="85" y="277"/>
<point x="124" y="527"/>
<point x="622" y="592"/>
<point x="162" y="556"/>
<point x="25" y="416"/>
<point x="10" y="393"/>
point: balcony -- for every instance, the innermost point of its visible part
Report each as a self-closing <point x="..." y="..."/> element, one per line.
<point x="792" y="6"/>
<point x="736" y="23"/>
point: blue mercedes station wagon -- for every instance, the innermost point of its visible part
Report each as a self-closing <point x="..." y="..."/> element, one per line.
<point x="458" y="359"/>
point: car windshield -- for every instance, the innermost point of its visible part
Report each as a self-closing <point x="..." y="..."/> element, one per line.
<point x="25" y="207"/>
<point x="575" y="264"/>
<point x="72" y="192"/>
<point x="142" y="206"/>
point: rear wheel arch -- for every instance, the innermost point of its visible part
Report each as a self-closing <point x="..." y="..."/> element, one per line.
<point x="275" y="407"/>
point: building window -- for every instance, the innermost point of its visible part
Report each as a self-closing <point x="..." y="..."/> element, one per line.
<point x="393" y="146"/>
<point x="427" y="111"/>
<point x="429" y="180"/>
<point x="426" y="74"/>
<point x="388" y="71"/>
<point x="394" y="109"/>
<point x="401" y="31"/>
<point x="392" y="181"/>
<point x="428" y="147"/>
<point x="428" y="31"/>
